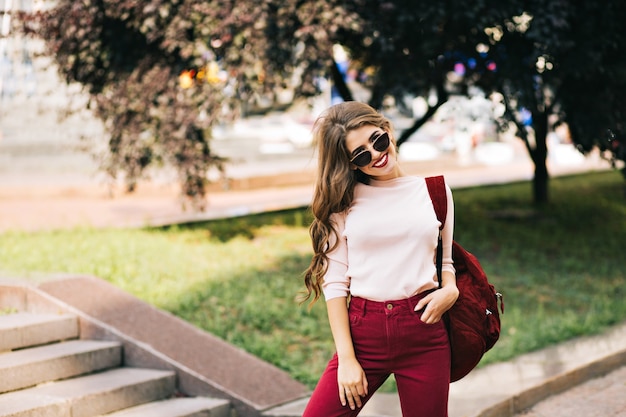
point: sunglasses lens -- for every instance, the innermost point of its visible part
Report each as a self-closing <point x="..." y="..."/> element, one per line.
<point x="362" y="159"/>
<point x="381" y="143"/>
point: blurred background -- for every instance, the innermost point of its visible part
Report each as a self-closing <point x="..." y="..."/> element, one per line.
<point x="261" y="87"/>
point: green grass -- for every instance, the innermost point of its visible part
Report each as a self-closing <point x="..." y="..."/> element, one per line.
<point x="560" y="267"/>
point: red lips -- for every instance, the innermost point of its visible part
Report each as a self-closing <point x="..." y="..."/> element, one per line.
<point x="382" y="161"/>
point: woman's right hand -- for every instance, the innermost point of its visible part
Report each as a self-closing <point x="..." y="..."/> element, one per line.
<point x="352" y="383"/>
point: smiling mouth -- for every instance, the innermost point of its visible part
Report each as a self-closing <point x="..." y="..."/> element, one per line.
<point x="382" y="161"/>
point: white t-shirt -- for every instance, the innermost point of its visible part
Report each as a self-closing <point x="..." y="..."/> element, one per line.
<point x="388" y="241"/>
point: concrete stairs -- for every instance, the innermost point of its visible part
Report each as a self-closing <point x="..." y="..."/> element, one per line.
<point x="102" y="336"/>
<point x="46" y="370"/>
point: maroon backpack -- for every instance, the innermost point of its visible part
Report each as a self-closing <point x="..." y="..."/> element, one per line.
<point x="473" y="322"/>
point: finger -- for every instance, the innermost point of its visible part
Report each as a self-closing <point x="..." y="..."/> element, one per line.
<point x="350" y="398"/>
<point x="427" y="316"/>
<point x="362" y="387"/>
<point x="358" y="401"/>
<point x="431" y="320"/>
<point x="342" y="396"/>
<point x="423" y="303"/>
<point x="354" y="399"/>
<point x="430" y="317"/>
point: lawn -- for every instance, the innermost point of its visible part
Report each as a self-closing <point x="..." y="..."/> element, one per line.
<point x="560" y="267"/>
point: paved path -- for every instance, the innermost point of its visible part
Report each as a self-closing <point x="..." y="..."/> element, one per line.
<point x="39" y="199"/>
<point x="600" y="397"/>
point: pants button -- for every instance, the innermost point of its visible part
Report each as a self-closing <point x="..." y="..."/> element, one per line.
<point x="389" y="306"/>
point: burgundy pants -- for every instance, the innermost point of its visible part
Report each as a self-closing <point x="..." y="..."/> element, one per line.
<point x="389" y="338"/>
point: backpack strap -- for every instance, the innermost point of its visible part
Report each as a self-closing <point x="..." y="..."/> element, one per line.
<point x="437" y="190"/>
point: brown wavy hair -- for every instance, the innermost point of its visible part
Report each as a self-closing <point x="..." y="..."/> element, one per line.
<point x="334" y="189"/>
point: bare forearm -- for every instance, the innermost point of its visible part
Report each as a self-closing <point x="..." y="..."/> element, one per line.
<point x="351" y="379"/>
<point x="340" y="327"/>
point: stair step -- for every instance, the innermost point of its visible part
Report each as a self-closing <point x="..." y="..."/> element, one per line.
<point x="179" y="407"/>
<point x="90" y="395"/>
<point x="28" y="367"/>
<point x="20" y="330"/>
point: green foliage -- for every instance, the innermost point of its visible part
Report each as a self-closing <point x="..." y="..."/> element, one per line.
<point x="559" y="266"/>
<point x="592" y="92"/>
<point x="561" y="62"/>
<point x="160" y="74"/>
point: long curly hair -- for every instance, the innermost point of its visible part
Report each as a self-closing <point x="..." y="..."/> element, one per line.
<point x="334" y="189"/>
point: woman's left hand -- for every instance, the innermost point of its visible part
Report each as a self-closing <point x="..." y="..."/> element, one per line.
<point x="437" y="303"/>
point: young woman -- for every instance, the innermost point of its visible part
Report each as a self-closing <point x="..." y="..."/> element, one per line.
<point x="374" y="238"/>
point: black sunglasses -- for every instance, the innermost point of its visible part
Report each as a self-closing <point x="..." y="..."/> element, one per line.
<point x="379" y="143"/>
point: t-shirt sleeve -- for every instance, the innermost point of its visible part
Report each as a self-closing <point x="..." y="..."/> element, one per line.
<point x="336" y="282"/>
<point x="447" y="234"/>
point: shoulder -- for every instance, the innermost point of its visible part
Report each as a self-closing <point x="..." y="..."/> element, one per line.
<point x="338" y="219"/>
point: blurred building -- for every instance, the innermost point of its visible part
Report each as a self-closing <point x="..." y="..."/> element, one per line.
<point x="38" y="132"/>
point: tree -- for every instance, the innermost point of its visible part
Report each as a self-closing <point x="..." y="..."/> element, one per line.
<point x="526" y="78"/>
<point x="409" y="48"/>
<point x="162" y="73"/>
<point x="413" y="47"/>
<point x="159" y="74"/>
<point x="563" y="61"/>
<point x="592" y="93"/>
<point x="548" y="60"/>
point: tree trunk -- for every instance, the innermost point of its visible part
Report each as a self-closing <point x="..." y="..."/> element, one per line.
<point x="378" y="94"/>
<point x="442" y="97"/>
<point x="406" y="134"/>
<point x="340" y="83"/>
<point x="539" y="156"/>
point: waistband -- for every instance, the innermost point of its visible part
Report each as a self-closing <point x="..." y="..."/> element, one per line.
<point x="385" y="306"/>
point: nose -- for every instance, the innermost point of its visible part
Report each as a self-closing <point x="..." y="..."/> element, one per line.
<point x="376" y="155"/>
